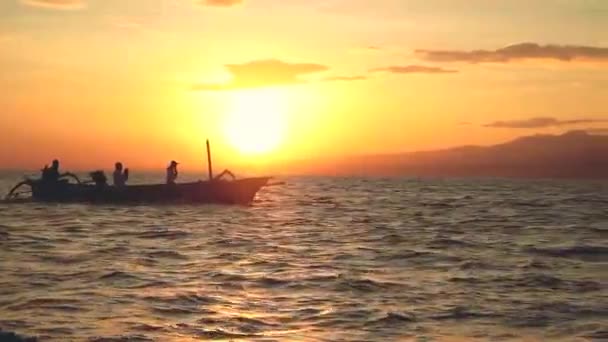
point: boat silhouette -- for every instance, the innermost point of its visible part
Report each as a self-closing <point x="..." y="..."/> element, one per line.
<point x="69" y="189"/>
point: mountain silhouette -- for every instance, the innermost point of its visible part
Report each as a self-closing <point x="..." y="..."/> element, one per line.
<point x="575" y="154"/>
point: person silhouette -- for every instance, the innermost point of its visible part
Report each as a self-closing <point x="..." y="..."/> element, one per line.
<point x="51" y="174"/>
<point x="120" y="176"/>
<point x="172" y="172"/>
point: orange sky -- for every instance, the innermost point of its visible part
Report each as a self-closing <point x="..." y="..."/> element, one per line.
<point x="146" y="81"/>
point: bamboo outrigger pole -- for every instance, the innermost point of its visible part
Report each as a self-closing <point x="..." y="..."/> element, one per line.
<point x="209" y="165"/>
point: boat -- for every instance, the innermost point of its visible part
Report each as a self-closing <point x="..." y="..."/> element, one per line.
<point x="240" y="191"/>
<point x="69" y="189"/>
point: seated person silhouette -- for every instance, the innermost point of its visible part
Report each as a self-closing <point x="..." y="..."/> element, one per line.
<point x="51" y="174"/>
<point x="120" y="176"/>
<point x="172" y="172"/>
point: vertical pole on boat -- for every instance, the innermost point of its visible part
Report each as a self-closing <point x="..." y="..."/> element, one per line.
<point x="209" y="161"/>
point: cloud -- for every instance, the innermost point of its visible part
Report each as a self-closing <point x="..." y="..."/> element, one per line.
<point x="56" y="4"/>
<point x="597" y="131"/>
<point x="6" y="37"/>
<point x="519" y="52"/>
<point x="540" y="122"/>
<point x="221" y="3"/>
<point x="264" y="73"/>
<point x="414" y="69"/>
<point x="366" y="49"/>
<point x="126" y="23"/>
<point x="345" y="78"/>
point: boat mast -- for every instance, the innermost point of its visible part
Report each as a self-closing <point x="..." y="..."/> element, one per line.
<point x="209" y="161"/>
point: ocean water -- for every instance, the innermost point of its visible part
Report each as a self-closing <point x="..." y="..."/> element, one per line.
<point x="317" y="259"/>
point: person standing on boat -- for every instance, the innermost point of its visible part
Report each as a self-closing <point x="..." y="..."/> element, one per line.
<point x="120" y="176"/>
<point x="51" y="174"/>
<point x="172" y="172"/>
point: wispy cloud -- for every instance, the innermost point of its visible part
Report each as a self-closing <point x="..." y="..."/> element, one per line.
<point x="598" y="131"/>
<point x="56" y="4"/>
<point x="540" y="122"/>
<point x="264" y="73"/>
<point x="366" y="50"/>
<point x="126" y="23"/>
<point x="6" y="37"/>
<point x="414" y="69"/>
<point x="519" y="52"/>
<point x="346" y="78"/>
<point x="221" y="3"/>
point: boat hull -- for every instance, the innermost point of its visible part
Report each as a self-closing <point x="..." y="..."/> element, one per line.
<point x="240" y="191"/>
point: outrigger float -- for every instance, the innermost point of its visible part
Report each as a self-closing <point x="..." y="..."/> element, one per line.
<point x="69" y="189"/>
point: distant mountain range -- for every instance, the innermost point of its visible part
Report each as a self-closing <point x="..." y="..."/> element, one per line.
<point x="576" y="154"/>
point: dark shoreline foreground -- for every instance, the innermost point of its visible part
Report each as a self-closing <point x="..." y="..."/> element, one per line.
<point x="7" y="336"/>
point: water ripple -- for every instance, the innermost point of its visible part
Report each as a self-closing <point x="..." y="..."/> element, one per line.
<point x="320" y="259"/>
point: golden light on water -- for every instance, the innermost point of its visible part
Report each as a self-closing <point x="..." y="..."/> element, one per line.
<point x="256" y="122"/>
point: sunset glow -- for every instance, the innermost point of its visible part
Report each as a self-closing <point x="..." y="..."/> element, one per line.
<point x="255" y="123"/>
<point x="303" y="170"/>
<point x="147" y="81"/>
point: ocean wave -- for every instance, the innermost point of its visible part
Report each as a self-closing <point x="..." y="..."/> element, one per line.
<point x="529" y="321"/>
<point x="423" y="257"/>
<point x="548" y="281"/>
<point x="52" y="303"/>
<point x="183" y="299"/>
<point x="324" y="200"/>
<point x="175" y="310"/>
<point x="111" y="250"/>
<point x="214" y="334"/>
<point x="65" y="259"/>
<point x="74" y="229"/>
<point x="229" y="256"/>
<point x="4" y="234"/>
<point x="118" y="275"/>
<point x="229" y="277"/>
<point x="345" y="318"/>
<point x="463" y="313"/>
<point x="405" y="254"/>
<point x="365" y="285"/>
<point x="393" y="318"/>
<point x="441" y="243"/>
<point x="446" y="204"/>
<point x="532" y="204"/>
<point x="123" y="338"/>
<point x="256" y="322"/>
<point x="474" y="265"/>
<point x="252" y="326"/>
<point x="563" y="308"/>
<point x="167" y="255"/>
<point x="321" y="279"/>
<point x="6" y="336"/>
<point x="392" y="238"/>
<point x="536" y="265"/>
<point x="148" y="327"/>
<point x="552" y="313"/>
<point x="597" y="335"/>
<point x="169" y="234"/>
<point x="586" y="252"/>
<point x="143" y="284"/>
<point x="531" y="281"/>
<point x="370" y="262"/>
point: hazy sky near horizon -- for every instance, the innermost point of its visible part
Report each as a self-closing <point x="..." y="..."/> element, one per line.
<point x="146" y="81"/>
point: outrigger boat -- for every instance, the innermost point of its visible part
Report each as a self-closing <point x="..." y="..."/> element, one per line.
<point x="218" y="191"/>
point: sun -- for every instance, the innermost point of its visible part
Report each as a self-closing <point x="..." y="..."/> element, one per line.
<point x="255" y="123"/>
